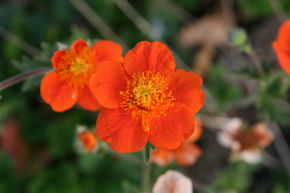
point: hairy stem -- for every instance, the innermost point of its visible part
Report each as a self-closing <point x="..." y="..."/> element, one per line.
<point x="21" y="77"/>
<point x="146" y="185"/>
<point x="20" y="43"/>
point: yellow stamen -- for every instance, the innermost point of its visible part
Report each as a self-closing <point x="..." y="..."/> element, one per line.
<point x="146" y="92"/>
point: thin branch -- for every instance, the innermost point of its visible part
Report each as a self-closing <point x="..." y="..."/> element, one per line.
<point x="255" y="59"/>
<point x="21" y="77"/>
<point x="177" y="11"/>
<point x="281" y="14"/>
<point x="270" y="161"/>
<point x="143" y="25"/>
<point x="136" y="18"/>
<point x="281" y="146"/>
<point x="96" y="21"/>
<point x="26" y="47"/>
<point x="228" y="11"/>
<point x="281" y="104"/>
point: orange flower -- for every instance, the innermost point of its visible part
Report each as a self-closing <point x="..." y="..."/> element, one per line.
<point x="282" y="46"/>
<point x="186" y="154"/>
<point x="245" y="144"/>
<point x="68" y="83"/>
<point x="88" y="140"/>
<point x="146" y="100"/>
<point x="173" y="182"/>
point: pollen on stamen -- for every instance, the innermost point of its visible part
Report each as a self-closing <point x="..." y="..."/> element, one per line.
<point x="146" y="92"/>
<point x="78" y="72"/>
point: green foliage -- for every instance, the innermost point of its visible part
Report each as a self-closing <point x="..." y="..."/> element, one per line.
<point x="235" y="178"/>
<point x="219" y="87"/>
<point x="41" y="60"/>
<point x="60" y="138"/>
<point x="61" y="179"/>
<point x="9" y="182"/>
<point x="272" y="97"/>
<point x="279" y="188"/>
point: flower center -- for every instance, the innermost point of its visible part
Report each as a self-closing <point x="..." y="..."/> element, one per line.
<point x="145" y="92"/>
<point x="79" y="66"/>
<point x="248" y="139"/>
<point x="78" y="71"/>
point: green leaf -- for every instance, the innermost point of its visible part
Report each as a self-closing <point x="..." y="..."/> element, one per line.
<point x="218" y="85"/>
<point x="41" y="60"/>
<point x="31" y="83"/>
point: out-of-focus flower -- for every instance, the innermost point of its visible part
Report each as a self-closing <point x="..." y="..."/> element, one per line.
<point x="89" y="140"/>
<point x="282" y="46"/>
<point x="186" y="154"/>
<point x="245" y="143"/>
<point x="68" y="83"/>
<point x="86" y="140"/>
<point x="13" y="144"/>
<point x="146" y="100"/>
<point x="173" y="182"/>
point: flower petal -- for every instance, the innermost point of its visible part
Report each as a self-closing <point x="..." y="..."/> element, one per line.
<point x="149" y="56"/>
<point x="187" y="154"/>
<point x="173" y="127"/>
<point x="283" y="57"/>
<point x="263" y="133"/>
<point x="107" y="50"/>
<point x="252" y="156"/>
<point x="186" y="88"/>
<point x="60" y="60"/>
<point x="79" y="46"/>
<point x="107" y="82"/>
<point x="86" y="99"/>
<point x="57" y="93"/>
<point x="162" y="157"/>
<point x="121" y="131"/>
<point x="198" y="130"/>
<point x="228" y="131"/>
<point x="173" y="182"/>
<point x="283" y="37"/>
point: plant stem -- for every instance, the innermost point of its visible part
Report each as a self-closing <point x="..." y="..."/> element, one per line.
<point x="281" y="14"/>
<point x="281" y="146"/>
<point x="21" y="77"/>
<point x="20" y="43"/>
<point x="146" y="185"/>
<point x="96" y="21"/>
<point x="257" y="63"/>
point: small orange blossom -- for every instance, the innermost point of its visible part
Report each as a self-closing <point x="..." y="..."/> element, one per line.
<point x="88" y="140"/>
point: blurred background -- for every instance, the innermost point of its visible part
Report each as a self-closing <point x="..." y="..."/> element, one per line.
<point x="228" y="42"/>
